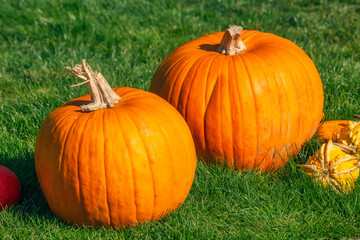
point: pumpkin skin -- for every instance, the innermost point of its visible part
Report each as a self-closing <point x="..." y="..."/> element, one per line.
<point x="252" y="109"/>
<point x="117" y="166"/>
<point x="329" y="129"/>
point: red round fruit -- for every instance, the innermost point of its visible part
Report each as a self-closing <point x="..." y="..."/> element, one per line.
<point x="10" y="188"/>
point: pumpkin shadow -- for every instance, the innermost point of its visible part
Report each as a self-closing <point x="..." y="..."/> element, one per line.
<point x="77" y="103"/>
<point x="209" y="47"/>
<point x="32" y="203"/>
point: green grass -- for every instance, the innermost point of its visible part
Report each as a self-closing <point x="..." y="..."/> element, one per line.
<point x="126" y="41"/>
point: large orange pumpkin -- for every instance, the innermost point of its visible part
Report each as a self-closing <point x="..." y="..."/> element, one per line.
<point x="251" y="99"/>
<point x="115" y="161"/>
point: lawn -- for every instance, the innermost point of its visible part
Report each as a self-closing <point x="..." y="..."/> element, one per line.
<point x="126" y="41"/>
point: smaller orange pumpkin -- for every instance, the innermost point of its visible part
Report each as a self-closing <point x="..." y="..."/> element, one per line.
<point x="328" y="129"/>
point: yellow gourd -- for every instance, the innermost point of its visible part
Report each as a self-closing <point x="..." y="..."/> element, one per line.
<point x="349" y="136"/>
<point x="335" y="165"/>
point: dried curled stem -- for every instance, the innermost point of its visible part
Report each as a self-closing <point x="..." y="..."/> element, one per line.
<point x="102" y="95"/>
<point x="356" y="116"/>
<point x="348" y="149"/>
<point x="231" y="42"/>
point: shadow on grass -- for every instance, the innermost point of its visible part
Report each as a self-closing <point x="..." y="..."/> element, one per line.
<point x="32" y="203"/>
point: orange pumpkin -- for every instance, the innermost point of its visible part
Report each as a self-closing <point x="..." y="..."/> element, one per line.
<point x="250" y="98"/>
<point x="327" y="129"/>
<point x="115" y="161"/>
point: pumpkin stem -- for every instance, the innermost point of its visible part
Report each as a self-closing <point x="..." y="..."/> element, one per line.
<point x="231" y="42"/>
<point x="348" y="149"/>
<point x="102" y="95"/>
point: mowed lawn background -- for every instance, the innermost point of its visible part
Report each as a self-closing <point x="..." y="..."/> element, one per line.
<point x="126" y="41"/>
